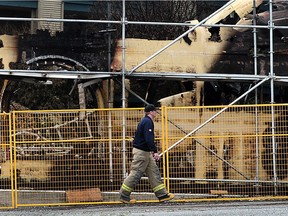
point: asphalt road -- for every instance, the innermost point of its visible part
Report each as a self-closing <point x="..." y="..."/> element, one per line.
<point x="244" y="208"/>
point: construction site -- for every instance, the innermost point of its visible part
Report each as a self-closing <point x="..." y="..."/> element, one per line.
<point x="220" y="85"/>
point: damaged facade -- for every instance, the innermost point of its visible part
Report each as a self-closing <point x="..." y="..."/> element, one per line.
<point x="218" y="50"/>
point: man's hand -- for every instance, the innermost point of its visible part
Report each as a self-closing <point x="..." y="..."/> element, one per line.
<point x="156" y="156"/>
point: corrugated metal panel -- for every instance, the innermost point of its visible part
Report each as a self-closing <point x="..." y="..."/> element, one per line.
<point x="50" y="9"/>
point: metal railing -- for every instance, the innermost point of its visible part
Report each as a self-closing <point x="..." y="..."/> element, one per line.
<point x="68" y="157"/>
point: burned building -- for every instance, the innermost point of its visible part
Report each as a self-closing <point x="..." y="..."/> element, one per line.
<point x="211" y="63"/>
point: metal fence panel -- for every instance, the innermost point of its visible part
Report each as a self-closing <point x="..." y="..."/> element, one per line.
<point x="6" y="169"/>
<point x="63" y="157"/>
<point x="238" y="153"/>
<point x="73" y="156"/>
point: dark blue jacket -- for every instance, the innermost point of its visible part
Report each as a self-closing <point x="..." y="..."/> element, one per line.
<point x="144" y="137"/>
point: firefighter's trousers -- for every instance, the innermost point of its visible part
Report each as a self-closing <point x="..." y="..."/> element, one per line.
<point x="143" y="162"/>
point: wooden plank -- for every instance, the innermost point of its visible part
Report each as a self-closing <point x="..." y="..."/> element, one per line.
<point x="219" y="192"/>
<point x="84" y="195"/>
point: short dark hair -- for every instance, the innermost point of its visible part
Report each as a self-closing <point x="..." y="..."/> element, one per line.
<point x="149" y="107"/>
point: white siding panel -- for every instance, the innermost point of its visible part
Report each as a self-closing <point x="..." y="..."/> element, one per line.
<point x="52" y="9"/>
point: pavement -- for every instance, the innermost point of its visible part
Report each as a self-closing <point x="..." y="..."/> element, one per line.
<point x="229" y="208"/>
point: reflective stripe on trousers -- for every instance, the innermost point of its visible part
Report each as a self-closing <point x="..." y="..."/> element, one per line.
<point x="143" y="162"/>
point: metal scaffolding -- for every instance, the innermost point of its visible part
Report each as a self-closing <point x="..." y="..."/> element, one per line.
<point x="82" y="75"/>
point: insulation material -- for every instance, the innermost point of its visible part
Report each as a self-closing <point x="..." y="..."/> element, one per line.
<point x="8" y="50"/>
<point x="182" y="99"/>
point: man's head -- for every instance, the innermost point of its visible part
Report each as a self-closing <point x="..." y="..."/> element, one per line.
<point x="149" y="108"/>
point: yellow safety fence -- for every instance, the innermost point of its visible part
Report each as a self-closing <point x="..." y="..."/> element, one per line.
<point x="6" y="162"/>
<point x="68" y="157"/>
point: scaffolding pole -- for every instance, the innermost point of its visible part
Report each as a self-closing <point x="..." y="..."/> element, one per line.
<point x="271" y="52"/>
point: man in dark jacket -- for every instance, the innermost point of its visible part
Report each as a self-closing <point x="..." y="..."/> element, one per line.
<point x="144" y="156"/>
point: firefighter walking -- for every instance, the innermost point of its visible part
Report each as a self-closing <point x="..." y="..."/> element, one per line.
<point x="145" y="155"/>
